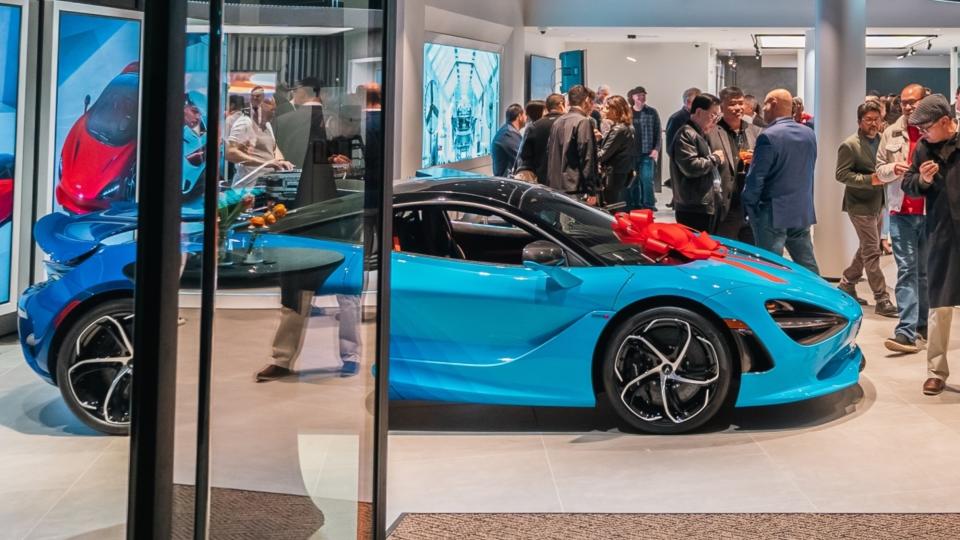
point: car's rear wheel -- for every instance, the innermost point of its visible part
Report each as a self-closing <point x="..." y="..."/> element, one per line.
<point x="95" y="366"/>
<point x="667" y="370"/>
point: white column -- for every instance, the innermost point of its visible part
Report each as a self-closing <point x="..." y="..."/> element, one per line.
<point x="840" y="78"/>
<point x="807" y="90"/>
<point x="954" y="65"/>
<point x="802" y="71"/>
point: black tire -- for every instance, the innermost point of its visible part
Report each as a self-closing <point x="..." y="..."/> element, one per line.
<point x="638" y="381"/>
<point x="95" y="366"/>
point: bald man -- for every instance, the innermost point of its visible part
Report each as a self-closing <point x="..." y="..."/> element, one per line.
<point x="778" y="195"/>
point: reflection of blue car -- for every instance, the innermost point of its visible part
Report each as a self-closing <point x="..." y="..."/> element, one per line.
<point x="502" y="293"/>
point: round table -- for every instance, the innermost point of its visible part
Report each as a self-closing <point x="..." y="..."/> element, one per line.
<point x="318" y="264"/>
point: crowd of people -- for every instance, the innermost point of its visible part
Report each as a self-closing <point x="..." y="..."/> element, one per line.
<point x="744" y="170"/>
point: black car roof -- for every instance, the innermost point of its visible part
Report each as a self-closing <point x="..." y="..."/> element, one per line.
<point x="502" y="190"/>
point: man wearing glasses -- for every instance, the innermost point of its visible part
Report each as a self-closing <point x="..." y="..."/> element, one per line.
<point x="907" y="225"/>
<point x="863" y="203"/>
<point x="693" y="167"/>
<point x="935" y="175"/>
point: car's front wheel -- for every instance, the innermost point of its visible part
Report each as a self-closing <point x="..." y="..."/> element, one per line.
<point x="667" y="370"/>
<point x="95" y="366"/>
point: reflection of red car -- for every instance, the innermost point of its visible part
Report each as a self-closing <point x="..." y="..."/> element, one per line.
<point x="6" y="188"/>
<point x="98" y="163"/>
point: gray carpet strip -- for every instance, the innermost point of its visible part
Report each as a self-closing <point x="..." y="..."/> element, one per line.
<point x="248" y="515"/>
<point x="676" y="526"/>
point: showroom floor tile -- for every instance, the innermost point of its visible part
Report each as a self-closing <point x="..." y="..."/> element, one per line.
<point x="880" y="447"/>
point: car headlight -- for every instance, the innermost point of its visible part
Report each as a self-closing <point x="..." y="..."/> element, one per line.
<point x="805" y="323"/>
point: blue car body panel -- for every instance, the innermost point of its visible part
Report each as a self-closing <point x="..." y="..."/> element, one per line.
<point x="465" y="331"/>
<point x="489" y="333"/>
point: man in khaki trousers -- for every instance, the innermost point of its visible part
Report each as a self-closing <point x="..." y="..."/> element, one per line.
<point x="935" y="175"/>
<point x="863" y="202"/>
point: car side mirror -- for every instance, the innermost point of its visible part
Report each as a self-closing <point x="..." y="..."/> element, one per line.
<point x="544" y="253"/>
<point x="86" y="103"/>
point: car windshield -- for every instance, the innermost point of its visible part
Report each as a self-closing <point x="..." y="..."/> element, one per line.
<point x="586" y="225"/>
<point x="113" y="118"/>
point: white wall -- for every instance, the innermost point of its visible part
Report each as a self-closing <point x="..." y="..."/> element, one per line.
<point x="665" y="70"/>
<point x="491" y="21"/>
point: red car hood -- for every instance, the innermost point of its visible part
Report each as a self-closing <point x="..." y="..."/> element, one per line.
<point x="88" y="166"/>
<point x="6" y="199"/>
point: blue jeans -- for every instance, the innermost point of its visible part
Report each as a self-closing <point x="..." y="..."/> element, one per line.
<point x="909" y="239"/>
<point x="640" y="193"/>
<point x="796" y="240"/>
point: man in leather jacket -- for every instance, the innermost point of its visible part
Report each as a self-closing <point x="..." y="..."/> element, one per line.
<point x="693" y="167"/>
<point x="572" y="148"/>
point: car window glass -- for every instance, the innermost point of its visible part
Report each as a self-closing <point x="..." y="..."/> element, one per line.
<point x="113" y="118"/>
<point x="462" y="233"/>
<point x="588" y="226"/>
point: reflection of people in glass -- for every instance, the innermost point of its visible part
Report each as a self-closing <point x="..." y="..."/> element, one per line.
<point x="257" y="96"/>
<point x="253" y="147"/>
<point x="316" y="185"/>
<point x="193" y="131"/>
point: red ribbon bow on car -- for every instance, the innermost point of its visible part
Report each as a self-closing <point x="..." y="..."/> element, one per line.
<point x="658" y="239"/>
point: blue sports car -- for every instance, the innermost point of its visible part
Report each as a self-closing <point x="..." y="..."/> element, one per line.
<point x="502" y="293"/>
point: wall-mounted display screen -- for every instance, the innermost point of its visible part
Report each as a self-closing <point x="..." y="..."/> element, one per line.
<point x="541" y="77"/>
<point x="9" y="109"/>
<point x="572" y="69"/>
<point x="461" y="103"/>
<point x="96" y="112"/>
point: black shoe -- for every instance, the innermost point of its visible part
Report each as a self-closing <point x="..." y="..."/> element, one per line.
<point x="349" y="368"/>
<point x="899" y="343"/>
<point x="922" y="332"/>
<point x="851" y="290"/>
<point x="885" y="308"/>
<point x="272" y="372"/>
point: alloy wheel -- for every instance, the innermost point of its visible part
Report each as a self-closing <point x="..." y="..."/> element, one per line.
<point x="667" y="372"/>
<point x="101" y="372"/>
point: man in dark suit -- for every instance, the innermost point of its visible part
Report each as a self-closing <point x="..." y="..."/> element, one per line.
<point x="737" y="138"/>
<point x="533" y="149"/>
<point x="305" y="135"/>
<point x="778" y="195"/>
<point x="506" y="142"/>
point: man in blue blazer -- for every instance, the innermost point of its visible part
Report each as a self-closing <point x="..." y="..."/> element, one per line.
<point x="778" y="194"/>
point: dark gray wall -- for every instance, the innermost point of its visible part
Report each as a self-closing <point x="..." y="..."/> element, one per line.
<point x="756" y="80"/>
<point x="892" y="80"/>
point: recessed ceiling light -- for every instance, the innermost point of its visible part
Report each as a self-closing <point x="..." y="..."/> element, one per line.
<point x="632" y="59"/>
<point x="873" y="41"/>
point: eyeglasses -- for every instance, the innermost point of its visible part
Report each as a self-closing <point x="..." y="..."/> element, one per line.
<point x="927" y="127"/>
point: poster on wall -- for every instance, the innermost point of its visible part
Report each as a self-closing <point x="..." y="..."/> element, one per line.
<point x="195" y="116"/>
<point x="96" y="112"/>
<point x="9" y="105"/>
<point x="461" y="103"/>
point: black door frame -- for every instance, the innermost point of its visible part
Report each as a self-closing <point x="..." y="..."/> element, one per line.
<point x="157" y="285"/>
<point x="150" y="503"/>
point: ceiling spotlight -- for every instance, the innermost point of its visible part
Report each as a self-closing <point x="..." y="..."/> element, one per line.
<point x="912" y="51"/>
<point x="929" y="44"/>
<point x="901" y="56"/>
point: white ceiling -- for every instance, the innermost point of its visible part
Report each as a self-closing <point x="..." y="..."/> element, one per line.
<point x="736" y="39"/>
<point x="729" y="13"/>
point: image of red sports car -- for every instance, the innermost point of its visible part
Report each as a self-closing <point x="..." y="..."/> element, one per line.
<point x="6" y="187"/>
<point x="98" y="162"/>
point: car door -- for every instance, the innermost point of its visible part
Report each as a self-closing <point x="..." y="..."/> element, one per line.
<point x="459" y="314"/>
